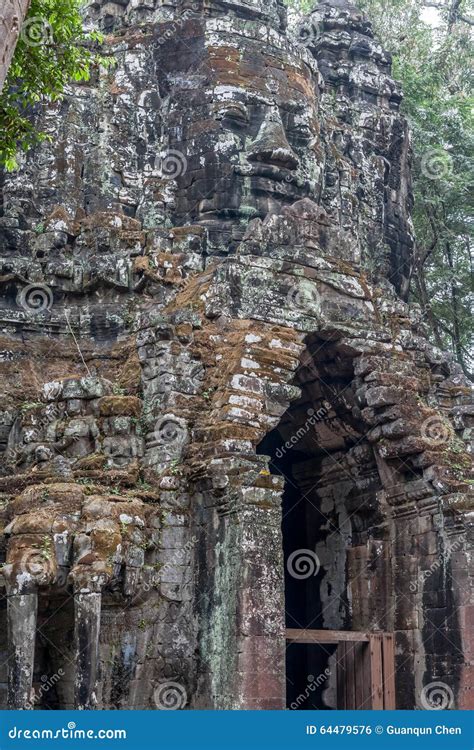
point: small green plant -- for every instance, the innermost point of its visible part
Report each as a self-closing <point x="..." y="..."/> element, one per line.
<point x="456" y="445"/>
<point x="143" y="485"/>
<point x="29" y="405"/>
<point x="175" y="468"/>
<point x="45" y="548"/>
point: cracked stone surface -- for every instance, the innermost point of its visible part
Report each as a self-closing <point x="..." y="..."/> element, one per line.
<point x="204" y="276"/>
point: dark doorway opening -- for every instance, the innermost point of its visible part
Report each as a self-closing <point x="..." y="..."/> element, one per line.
<point x="334" y="531"/>
<point x="310" y="679"/>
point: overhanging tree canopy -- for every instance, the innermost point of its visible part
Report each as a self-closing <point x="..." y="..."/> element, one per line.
<point x="52" y="49"/>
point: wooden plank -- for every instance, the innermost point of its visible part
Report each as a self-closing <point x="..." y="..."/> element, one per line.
<point x="388" y="653"/>
<point x="324" y="636"/>
<point x="341" y="676"/>
<point x="367" y="705"/>
<point x="376" y="671"/>
<point x="365" y="676"/>
<point x="360" y="686"/>
<point x="350" y="676"/>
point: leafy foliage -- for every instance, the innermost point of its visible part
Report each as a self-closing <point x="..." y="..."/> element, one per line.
<point x="432" y="58"/>
<point x="53" y="49"/>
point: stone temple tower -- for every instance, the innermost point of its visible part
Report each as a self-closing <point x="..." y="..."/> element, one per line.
<point x="212" y="377"/>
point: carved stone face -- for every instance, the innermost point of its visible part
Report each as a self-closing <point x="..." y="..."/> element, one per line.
<point x="242" y="112"/>
<point x="109" y="14"/>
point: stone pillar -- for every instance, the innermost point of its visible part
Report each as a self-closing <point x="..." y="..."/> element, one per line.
<point x="458" y="555"/>
<point x="87" y="606"/>
<point x="410" y="518"/>
<point x="243" y="646"/>
<point x="260" y="615"/>
<point x="22" y="610"/>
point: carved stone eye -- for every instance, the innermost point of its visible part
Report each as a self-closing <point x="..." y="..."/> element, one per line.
<point x="234" y="113"/>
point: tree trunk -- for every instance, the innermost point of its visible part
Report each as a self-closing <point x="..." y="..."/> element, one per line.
<point x="12" y="16"/>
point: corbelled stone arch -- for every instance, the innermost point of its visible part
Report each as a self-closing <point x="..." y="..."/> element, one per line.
<point x="372" y="535"/>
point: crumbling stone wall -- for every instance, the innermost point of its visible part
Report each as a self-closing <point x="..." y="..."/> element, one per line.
<point x="216" y="240"/>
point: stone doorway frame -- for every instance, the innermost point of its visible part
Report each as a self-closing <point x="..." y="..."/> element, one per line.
<point x="365" y="666"/>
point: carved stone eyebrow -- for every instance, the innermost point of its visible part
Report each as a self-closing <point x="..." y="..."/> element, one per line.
<point x="228" y="93"/>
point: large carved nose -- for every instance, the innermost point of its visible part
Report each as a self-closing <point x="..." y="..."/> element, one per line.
<point x="271" y="145"/>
